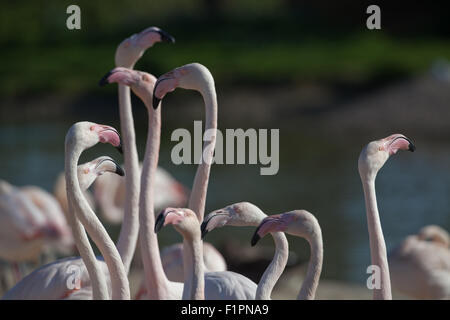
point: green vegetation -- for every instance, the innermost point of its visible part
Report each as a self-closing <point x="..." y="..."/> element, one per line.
<point x="239" y="45"/>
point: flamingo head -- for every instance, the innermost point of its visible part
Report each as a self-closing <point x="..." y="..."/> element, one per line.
<point x="89" y="171"/>
<point x="184" y="220"/>
<point x="193" y="76"/>
<point x="142" y="83"/>
<point x="435" y="234"/>
<point x="5" y="187"/>
<point x="238" y="214"/>
<point x="375" y="154"/>
<point x="300" y="223"/>
<point x="87" y="134"/>
<point x="132" y="48"/>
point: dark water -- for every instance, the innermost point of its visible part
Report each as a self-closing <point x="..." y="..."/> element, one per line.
<point x="314" y="174"/>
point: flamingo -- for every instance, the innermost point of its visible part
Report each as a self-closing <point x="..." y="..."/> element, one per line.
<point x="51" y="280"/>
<point x="157" y="285"/>
<point x="185" y="221"/>
<point x="195" y="76"/>
<point x="300" y="223"/>
<point x="127" y="54"/>
<point x="142" y="85"/>
<point x="247" y="214"/>
<point x="372" y="158"/>
<point x="83" y="135"/>
<point x="216" y="285"/>
<point x="420" y="265"/>
<point x="31" y="223"/>
<point x="54" y="214"/>
<point x="436" y="234"/>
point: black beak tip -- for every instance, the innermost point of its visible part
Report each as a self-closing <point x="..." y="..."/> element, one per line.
<point x="155" y="102"/>
<point x="255" y="239"/>
<point x="159" y="222"/>
<point x="120" y="171"/>
<point x="104" y="80"/>
<point x="203" y="229"/>
<point x="412" y="147"/>
<point x="166" y="37"/>
<point x="119" y="148"/>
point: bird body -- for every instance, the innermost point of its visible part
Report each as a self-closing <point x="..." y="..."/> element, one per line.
<point x="56" y="281"/>
<point x="66" y="278"/>
<point x="420" y="267"/>
<point x="25" y="228"/>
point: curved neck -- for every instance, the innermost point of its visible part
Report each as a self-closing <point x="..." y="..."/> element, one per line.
<point x="193" y="267"/>
<point x="377" y="245"/>
<point x="309" y="286"/>
<point x="197" y="199"/>
<point x="275" y="268"/>
<point x="155" y="278"/>
<point x="126" y="244"/>
<point x="119" y="280"/>
<point x="96" y="275"/>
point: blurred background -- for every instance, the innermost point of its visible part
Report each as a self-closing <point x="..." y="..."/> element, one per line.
<point x="309" y="68"/>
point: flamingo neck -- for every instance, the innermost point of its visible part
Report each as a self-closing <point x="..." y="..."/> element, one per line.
<point x="377" y="243"/>
<point x="197" y="199"/>
<point x="96" y="275"/>
<point x="193" y="267"/>
<point x="275" y="269"/>
<point x="126" y="244"/>
<point x="309" y="286"/>
<point x="119" y="280"/>
<point x="155" y="278"/>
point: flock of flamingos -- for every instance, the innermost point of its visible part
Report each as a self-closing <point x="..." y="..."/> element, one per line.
<point x="32" y="221"/>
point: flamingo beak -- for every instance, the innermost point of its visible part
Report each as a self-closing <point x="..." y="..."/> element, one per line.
<point x="255" y="237"/>
<point x="120" y="149"/>
<point x="104" y="80"/>
<point x="166" y="37"/>
<point x="119" y="170"/>
<point x="400" y="142"/>
<point x="411" y="147"/>
<point x="155" y="101"/>
<point x="221" y="219"/>
<point x="159" y="223"/>
<point x="203" y="228"/>
<point x="168" y="88"/>
<point x="113" y="138"/>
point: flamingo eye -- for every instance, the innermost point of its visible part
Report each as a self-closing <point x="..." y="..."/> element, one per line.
<point x="86" y="171"/>
<point x="92" y="128"/>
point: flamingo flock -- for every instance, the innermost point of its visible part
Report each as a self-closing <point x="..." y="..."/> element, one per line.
<point x="144" y="198"/>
